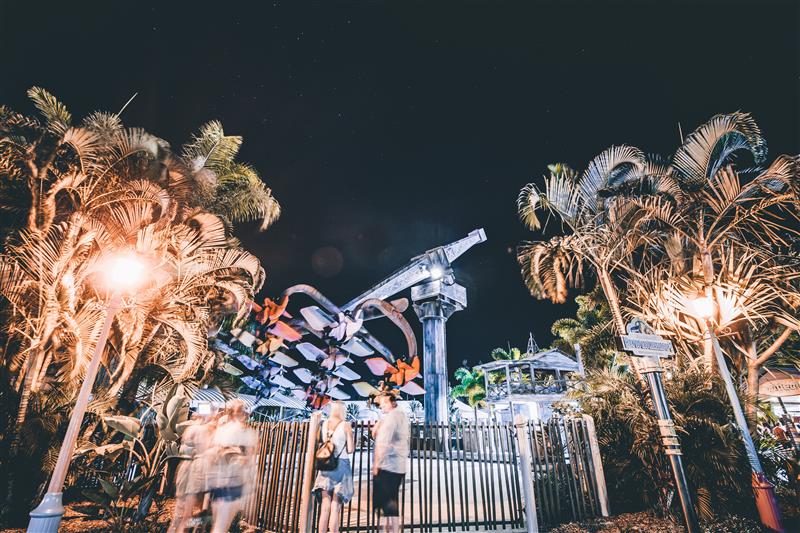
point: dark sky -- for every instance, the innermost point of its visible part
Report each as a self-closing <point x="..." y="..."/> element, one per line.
<point x="387" y="129"/>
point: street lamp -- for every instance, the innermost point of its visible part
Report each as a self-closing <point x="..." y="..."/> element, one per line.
<point x="766" y="503"/>
<point x="122" y="273"/>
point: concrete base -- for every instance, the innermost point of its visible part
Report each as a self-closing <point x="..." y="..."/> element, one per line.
<point x="47" y="516"/>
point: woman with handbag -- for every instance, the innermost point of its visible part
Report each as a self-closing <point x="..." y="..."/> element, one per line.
<point x="334" y="482"/>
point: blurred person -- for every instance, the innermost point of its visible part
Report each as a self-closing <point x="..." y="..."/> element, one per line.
<point x="392" y="439"/>
<point x="190" y="478"/>
<point x="335" y="487"/>
<point x="231" y="466"/>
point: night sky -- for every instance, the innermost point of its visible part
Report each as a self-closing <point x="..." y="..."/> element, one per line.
<point x="388" y="129"/>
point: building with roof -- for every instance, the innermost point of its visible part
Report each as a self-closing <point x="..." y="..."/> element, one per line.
<point x="529" y="385"/>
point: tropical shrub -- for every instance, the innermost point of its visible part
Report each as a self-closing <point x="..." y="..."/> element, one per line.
<point x="130" y="502"/>
<point x="636" y="468"/>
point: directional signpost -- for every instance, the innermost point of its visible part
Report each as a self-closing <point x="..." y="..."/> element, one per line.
<point x="648" y="349"/>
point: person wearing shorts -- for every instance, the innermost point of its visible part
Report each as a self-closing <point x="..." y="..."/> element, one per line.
<point x="392" y="436"/>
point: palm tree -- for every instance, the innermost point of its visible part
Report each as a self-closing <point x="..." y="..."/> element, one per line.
<point x="725" y="232"/>
<point x="599" y="226"/>
<point x="638" y="221"/>
<point x="510" y="354"/>
<point x="471" y="387"/>
<point x="96" y="188"/>
<point x="591" y="329"/>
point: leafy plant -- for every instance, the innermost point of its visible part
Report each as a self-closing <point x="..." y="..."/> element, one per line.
<point x="633" y="458"/>
<point x="73" y="193"/>
<point x="591" y="329"/>
<point x="170" y="421"/>
<point x="120" y="505"/>
<point x="470" y="387"/>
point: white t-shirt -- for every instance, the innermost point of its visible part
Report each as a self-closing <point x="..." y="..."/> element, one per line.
<point x="394" y="434"/>
<point x="339" y="439"/>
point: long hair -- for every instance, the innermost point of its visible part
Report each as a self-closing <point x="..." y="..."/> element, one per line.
<point x="337" y="410"/>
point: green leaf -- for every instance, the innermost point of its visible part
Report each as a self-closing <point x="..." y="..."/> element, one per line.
<point x="109" y="488"/>
<point x="97" y="497"/>
<point x="127" y="425"/>
<point x="55" y="113"/>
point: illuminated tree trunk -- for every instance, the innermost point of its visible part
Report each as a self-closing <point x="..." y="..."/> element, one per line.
<point x="610" y="291"/>
<point x="754" y="363"/>
<point x="22" y="410"/>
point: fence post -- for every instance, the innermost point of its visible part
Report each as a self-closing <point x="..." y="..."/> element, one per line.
<point x="308" y="471"/>
<point x="597" y="465"/>
<point x="520" y="424"/>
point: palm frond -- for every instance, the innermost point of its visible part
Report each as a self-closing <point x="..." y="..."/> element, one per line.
<point x="242" y="196"/>
<point x="611" y="168"/>
<point x="56" y="116"/>
<point x="211" y="148"/>
<point x="712" y="145"/>
<point x="549" y="268"/>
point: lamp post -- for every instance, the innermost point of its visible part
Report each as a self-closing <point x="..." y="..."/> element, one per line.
<point x="646" y="351"/>
<point x="766" y="503"/>
<point x="124" y="273"/>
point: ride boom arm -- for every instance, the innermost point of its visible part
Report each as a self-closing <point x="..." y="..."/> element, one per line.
<point x="419" y="269"/>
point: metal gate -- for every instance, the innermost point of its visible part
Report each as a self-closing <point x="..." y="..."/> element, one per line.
<point x="460" y="477"/>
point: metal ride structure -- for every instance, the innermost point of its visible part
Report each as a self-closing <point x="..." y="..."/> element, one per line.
<point x="436" y="296"/>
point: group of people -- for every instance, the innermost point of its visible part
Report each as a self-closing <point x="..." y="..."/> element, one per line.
<point x="216" y="469"/>
<point x="335" y="487"/>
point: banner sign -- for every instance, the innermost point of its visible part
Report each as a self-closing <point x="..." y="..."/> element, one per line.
<point x="641" y="341"/>
<point x="647" y="345"/>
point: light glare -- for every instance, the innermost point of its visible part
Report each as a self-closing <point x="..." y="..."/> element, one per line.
<point x="436" y="272"/>
<point x="124" y="272"/>
<point x="704" y="307"/>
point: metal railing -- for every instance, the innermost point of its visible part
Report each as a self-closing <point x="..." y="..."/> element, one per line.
<point x="460" y="477"/>
<point x="275" y="501"/>
<point x="500" y="391"/>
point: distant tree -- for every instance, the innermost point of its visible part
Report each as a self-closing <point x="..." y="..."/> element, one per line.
<point x="353" y="411"/>
<point x="510" y="354"/>
<point x="470" y="387"/>
<point x="591" y="328"/>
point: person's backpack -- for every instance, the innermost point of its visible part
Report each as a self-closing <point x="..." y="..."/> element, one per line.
<point x="324" y="459"/>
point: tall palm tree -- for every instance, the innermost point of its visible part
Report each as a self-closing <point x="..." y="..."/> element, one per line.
<point x="726" y="233"/>
<point x="87" y="191"/>
<point x="599" y="228"/>
<point x="631" y="217"/>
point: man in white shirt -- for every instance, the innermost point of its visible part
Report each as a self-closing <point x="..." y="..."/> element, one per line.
<point x="392" y="439"/>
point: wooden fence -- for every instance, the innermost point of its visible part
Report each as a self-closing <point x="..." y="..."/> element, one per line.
<point x="460" y="477"/>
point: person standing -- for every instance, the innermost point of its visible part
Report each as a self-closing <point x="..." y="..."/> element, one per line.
<point x="335" y="487"/>
<point x="392" y="439"/>
<point x="191" y="477"/>
<point x="232" y="468"/>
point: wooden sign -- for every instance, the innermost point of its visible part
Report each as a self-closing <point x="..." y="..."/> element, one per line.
<point x="780" y="387"/>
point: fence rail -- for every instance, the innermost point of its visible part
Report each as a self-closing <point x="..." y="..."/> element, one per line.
<point x="460" y="477"/>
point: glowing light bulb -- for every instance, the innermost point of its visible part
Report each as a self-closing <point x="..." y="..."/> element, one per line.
<point x="124" y="272"/>
<point x="704" y="307"/>
<point x="436" y="272"/>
